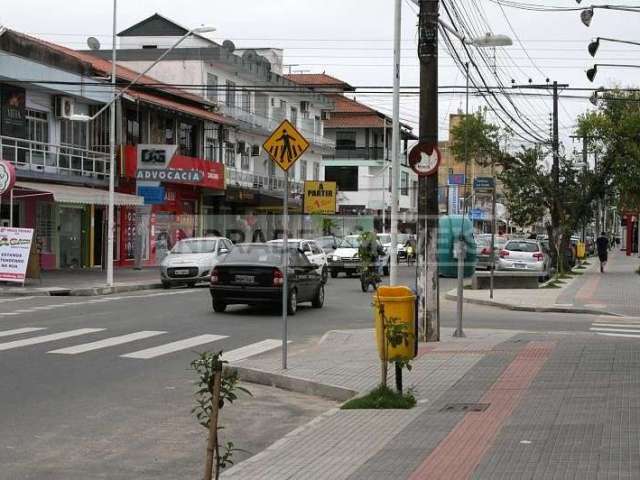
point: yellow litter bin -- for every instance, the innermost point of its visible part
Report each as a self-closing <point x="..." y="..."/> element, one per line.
<point x="581" y="250"/>
<point x="398" y="307"/>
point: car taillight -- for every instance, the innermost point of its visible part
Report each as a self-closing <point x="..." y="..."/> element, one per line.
<point x="215" y="277"/>
<point x="504" y="253"/>
<point x="278" y="277"/>
<point x="538" y="256"/>
<point x="485" y="251"/>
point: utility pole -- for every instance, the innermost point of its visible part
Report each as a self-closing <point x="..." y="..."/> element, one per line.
<point x="395" y="139"/>
<point x="428" y="311"/>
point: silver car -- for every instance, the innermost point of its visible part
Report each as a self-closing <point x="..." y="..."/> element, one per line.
<point x="191" y="260"/>
<point x="529" y="255"/>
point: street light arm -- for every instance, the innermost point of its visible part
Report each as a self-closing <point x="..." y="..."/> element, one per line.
<point x="454" y="32"/>
<point x="142" y="74"/>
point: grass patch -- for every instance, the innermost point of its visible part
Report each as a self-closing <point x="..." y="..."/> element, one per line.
<point x="380" y="399"/>
<point x="553" y="285"/>
<point x="581" y="267"/>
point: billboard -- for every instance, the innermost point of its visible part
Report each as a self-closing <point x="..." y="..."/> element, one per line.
<point x="320" y="197"/>
<point x="15" y="245"/>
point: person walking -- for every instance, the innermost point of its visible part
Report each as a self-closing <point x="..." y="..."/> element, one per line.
<point x="602" y="245"/>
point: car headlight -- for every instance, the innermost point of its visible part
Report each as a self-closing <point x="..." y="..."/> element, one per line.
<point x="335" y="258"/>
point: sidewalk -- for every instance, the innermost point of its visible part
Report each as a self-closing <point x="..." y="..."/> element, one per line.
<point x="613" y="293"/>
<point x="85" y="282"/>
<point x="557" y="406"/>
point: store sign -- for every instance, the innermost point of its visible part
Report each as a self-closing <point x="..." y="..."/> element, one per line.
<point x="15" y="245"/>
<point x="454" y="200"/>
<point x="13" y="121"/>
<point x="456" y="179"/>
<point x="151" y="195"/>
<point x="483" y="184"/>
<point x="155" y="164"/>
<point x="320" y="197"/>
<point x="7" y="176"/>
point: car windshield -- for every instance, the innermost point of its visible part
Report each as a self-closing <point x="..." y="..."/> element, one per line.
<point x="521" y="247"/>
<point x="349" y="242"/>
<point x="327" y="242"/>
<point x="194" y="246"/>
<point x="256" y="254"/>
<point x="385" y="238"/>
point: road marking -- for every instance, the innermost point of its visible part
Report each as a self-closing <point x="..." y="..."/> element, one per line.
<point x="251" y="350"/>
<point x="617" y="325"/>
<point x="9" y="313"/>
<point x="625" y="335"/>
<point x="48" y="338"/>
<point x="174" y="347"/>
<point x="17" y="299"/>
<point x="621" y="330"/>
<point x="18" y="331"/>
<point x="107" y="342"/>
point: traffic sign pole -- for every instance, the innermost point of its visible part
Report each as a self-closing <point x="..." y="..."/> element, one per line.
<point x="285" y="262"/>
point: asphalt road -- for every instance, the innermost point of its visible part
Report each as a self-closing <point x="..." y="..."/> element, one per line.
<point x="120" y="409"/>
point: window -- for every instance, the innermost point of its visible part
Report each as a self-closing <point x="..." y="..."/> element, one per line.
<point x="169" y="131"/>
<point x="317" y="125"/>
<point x="246" y="101"/>
<point x="187" y="139"/>
<point x="345" y="140"/>
<point x="73" y="134"/>
<point x="294" y="116"/>
<point x="230" y="94"/>
<point x="345" y="177"/>
<point x="245" y="163"/>
<point x="44" y="227"/>
<point x="37" y="126"/>
<point x="404" y="183"/>
<point x="303" y="170"/>
<point x="230" y="155"/>
<point x="133" y="128"/>
<point x="272" y="169"/>
<point x="212" y="87"/>
<point x="211" y="142"/>
<point x="316" y="171"/>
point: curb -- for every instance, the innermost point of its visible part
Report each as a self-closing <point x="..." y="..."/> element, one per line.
<point x="293" y="384"/>
<point x="77" y="292"/>
<point x="526" y="308"/>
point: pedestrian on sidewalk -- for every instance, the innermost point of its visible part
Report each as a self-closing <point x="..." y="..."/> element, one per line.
<point x="602" y="244"/>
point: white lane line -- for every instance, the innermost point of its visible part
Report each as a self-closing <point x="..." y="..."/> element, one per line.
<point x="620" y="330"/>
<point x="18" y="331"/>
<point x="107" y="342"/>
<point x="626" y="335"/>
<point x="9" y="313"/>
<point x="24" y="310"/>
<point x="43" y="307"/>
<point x="17" y="299"/>
<point x="251" y="350"/>
<point x="617" y="325"/>
<point x="48" y="338"/>
<point x="174" y="346"/>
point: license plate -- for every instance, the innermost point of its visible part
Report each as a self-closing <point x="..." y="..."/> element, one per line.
<point x="181" y="272"/>
<point x="245" y="279"/>
<point x="519" y="265"/>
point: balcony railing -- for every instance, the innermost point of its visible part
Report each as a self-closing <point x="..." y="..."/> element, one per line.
<point x="54" y="159"/>
<point x="263" y="182"/>
<point x="364" y="153"/>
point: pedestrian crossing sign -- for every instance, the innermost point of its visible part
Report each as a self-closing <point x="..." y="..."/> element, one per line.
<point x="286" y="145"/>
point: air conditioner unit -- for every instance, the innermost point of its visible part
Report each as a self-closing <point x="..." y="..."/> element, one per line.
<point x="255" y="150"/>
<point x="64" y="107"/>
<point x="325" y="115"/>
<point x="304" y="106"/>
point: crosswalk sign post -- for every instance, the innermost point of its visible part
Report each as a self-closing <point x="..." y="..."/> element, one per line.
<point x="285" y="146"/>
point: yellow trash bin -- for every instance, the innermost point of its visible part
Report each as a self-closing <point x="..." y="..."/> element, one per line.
<point x="398" y="305"/>
<point x="580" y="250"/>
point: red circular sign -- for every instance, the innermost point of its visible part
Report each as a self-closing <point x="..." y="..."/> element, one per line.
<point x="425" y="158"/>
<point x="7" y="176"/>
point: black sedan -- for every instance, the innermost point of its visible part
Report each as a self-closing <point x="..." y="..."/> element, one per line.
<point x="252" y="274"/>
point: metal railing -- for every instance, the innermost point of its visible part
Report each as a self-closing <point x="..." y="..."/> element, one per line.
<point x="364" y="153"/>
<point x="253" y="180"/>
<point x="54" y="159"/>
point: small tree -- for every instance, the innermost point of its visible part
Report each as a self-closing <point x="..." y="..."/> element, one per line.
<point x="213" y="389"/>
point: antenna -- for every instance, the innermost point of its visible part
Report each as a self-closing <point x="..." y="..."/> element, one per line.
<point x="93" y="43"/>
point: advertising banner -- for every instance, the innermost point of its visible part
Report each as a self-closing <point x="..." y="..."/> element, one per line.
<point x="15" y="245"/>
<point x="320" y="197"/>
<point x="454" y="200"/>
<point x="13" y="122"/>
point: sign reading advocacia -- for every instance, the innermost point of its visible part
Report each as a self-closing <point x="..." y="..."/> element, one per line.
<point x="320" y="197"/>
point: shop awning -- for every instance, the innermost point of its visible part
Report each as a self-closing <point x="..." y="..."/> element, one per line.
<point x="78" y="195"/>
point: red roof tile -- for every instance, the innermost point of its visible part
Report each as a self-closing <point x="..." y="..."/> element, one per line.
<point x="319" y="80"/>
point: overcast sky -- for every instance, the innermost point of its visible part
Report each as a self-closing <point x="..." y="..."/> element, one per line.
<point x="352" y="40"/>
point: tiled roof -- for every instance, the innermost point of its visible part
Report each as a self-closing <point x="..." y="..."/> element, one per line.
<point x="354" y="121"/>
<point x="319" y="80"/>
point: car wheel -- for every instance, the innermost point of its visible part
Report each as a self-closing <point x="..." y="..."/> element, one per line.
<point x="166" y="285"/>
<point x="191" y="284"/>
<point x="325" y="275"/>
<point x="318" y="300"/>
<point x="218" y="306"/>
<point x="292" y="302"/>
<point x="334" y="274"/>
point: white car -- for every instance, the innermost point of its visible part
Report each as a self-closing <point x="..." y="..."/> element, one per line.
<point x="529" y="255"/>
<point x="385" y="240"/>
<point x="191" y="260"/>
<point x="345" y="258"/>
<point x="314" y="253"/>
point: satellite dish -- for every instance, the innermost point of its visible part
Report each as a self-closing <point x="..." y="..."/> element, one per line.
<point x="229" y="46"/>
<point x="249" y="56"/>
<point x="93" y="43"/>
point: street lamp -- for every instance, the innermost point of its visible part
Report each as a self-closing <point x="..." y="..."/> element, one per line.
<point x="591" y="73"/>
<point x="112" y="128"/>
<point x="595" y="44"/>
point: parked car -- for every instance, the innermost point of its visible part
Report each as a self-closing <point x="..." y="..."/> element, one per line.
<point x="483" y="250"/>
<point x="191" y="260"/>
<point x="529" y="255"/>
<point x="252" y="274"/>
<point x="314" y="253"/>
<point x="345" y="258"/>
<point x="328" y="243"/>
